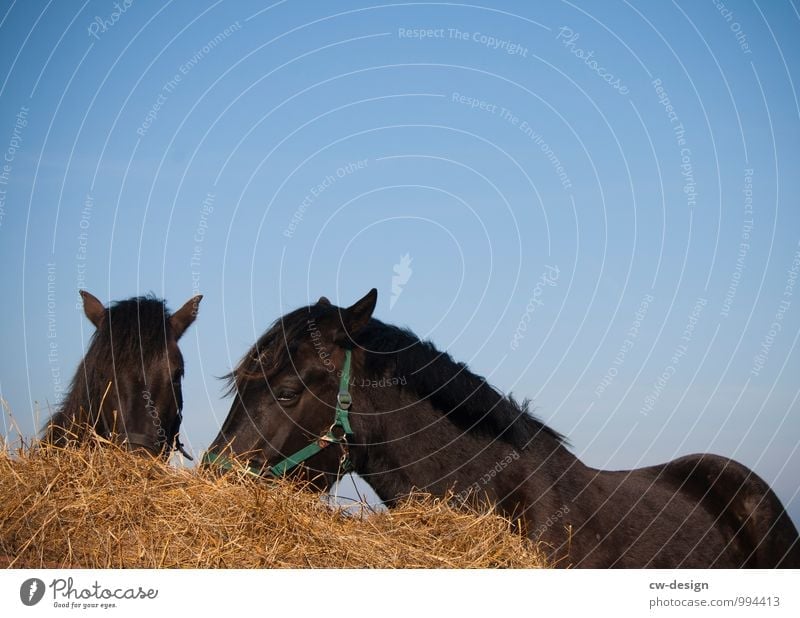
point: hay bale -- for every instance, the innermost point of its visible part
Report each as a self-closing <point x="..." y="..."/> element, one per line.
<point x="91" y="507"/>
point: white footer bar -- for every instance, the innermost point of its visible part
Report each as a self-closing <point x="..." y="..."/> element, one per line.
<point x="448" y="593"/>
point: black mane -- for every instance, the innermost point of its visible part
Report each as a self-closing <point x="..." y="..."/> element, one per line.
<point x="132" y="333"/>
<point x="467" y="399"/>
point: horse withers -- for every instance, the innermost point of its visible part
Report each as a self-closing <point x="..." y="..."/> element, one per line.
<point x="127" y="388"/>
<point x="327" y="390"/>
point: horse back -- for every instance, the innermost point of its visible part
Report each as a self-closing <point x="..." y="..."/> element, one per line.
<point x="741" y="502"/>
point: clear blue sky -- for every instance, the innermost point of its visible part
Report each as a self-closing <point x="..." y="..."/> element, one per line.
<point x="632" y="146"/>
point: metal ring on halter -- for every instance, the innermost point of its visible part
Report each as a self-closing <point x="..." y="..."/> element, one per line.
<point x="330" y="433"/>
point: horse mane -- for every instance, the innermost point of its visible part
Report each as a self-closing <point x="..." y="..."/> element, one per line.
<point x="132" y="333"/>
<point x="467" y="399"/>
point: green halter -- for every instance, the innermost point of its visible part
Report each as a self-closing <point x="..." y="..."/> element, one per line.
<point x="341" y="420"/>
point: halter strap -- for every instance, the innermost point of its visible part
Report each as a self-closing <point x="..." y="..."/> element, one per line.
<point x="341" y="420"/>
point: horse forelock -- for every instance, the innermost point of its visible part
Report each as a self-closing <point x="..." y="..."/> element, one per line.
<point x="272" y="353"/>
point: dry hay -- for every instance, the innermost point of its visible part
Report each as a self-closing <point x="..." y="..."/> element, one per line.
<point x="95" y="507"/>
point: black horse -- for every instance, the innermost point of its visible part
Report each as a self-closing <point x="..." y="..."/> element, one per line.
<point x="328" y="389"/>
<point x="128" y="386"/>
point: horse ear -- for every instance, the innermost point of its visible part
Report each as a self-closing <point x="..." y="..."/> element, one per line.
<point x="356" y="316"/>
<point x="183" y="317"/>
<point x="93" y="308"/>
<point x="323" y="300"/>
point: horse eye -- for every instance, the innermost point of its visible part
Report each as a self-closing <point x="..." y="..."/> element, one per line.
<point x="285" y="396"/>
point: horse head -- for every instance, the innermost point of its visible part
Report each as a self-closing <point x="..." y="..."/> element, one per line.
<point x="128" y="385"/>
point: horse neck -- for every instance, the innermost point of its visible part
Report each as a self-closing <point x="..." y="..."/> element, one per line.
<point x="81" y="408"/>
<point x="415" y="448"/>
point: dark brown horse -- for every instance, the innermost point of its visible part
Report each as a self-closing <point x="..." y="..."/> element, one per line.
<point x="327" y="389"/>
<point x="128" y="386"/>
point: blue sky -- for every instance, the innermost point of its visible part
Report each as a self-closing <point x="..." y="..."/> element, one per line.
<point x="570" y="236"/>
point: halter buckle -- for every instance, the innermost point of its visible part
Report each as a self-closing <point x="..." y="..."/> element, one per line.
<point x="344" y="400"/>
